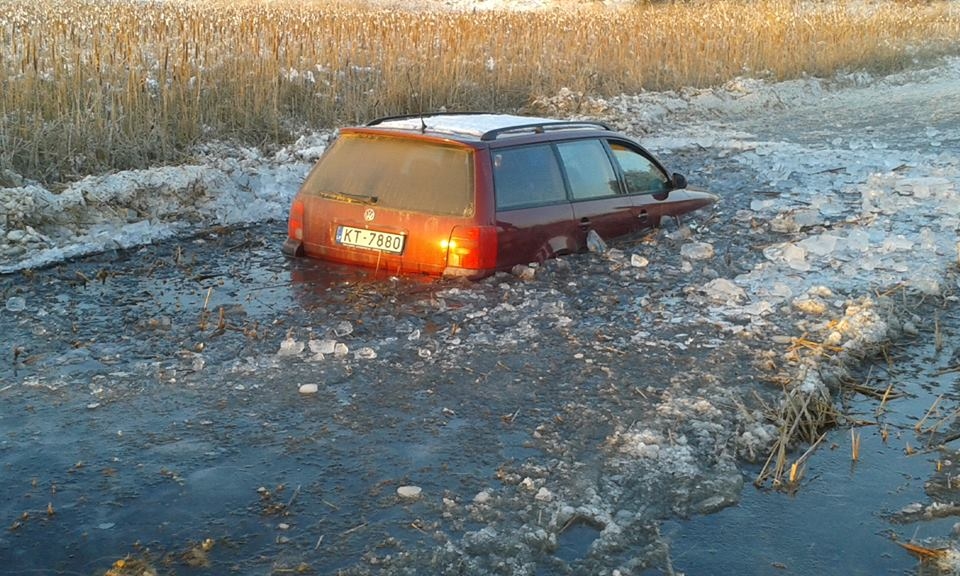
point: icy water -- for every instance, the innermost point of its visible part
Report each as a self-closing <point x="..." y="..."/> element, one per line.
<point x="129" y="431"/>
<point x="152" y="404"/>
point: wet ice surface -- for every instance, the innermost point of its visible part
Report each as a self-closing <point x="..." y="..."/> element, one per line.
<point x="204" y="387"/>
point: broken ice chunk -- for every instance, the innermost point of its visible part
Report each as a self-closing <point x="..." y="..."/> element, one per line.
<point x="697" y="251"/>
<point x="724" y="290"/>
<point x="290" y="346"/>
<point x="821" y="245"/>
<point x="322" y="346"/>
<point x="638" y="261"/>
<point x="792" y="255"/>
<point x="16" y="304"/>
<point x="595" y="243"/>
<point x="409" y="492"/>
<point x="544" y="495"/>
<point x="343" y="328"/>
<point x="365" y="353"/>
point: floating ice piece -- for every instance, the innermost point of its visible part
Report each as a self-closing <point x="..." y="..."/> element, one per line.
<point x="544" y="495"/>
<point x="723" y="290"/>
<point x="638" y="261"/>
<point x="290" y="347"/>
<point x="795" y="257"/>
<point x="928" y="240"/>
<point x="697" y="251"/>
<point x="365" y="353"/>
<point x="309" y="388"/>
<point x="858" y="240"/>
<point x="896" y="243"/>
<point x="792" y="255"/>
<point x="322" y="346"/>
<point x="16" y="304"/>
<point x="821" y="245"/>
<point x="343" y="329"/>
<point x="758" y="308"/>
<point x="595" y="243"/>
<point x="409" y="492"/>
<point x="340" y="349"/>
<point x="778" y="291"/>
<point x="761" y="205"/>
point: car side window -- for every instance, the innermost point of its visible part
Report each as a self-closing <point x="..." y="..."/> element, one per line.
<point x="527" y="176"/>
<point x="588" y="169"/>
<point x="640" y="174"/>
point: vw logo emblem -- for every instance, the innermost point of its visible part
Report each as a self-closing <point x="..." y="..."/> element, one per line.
<point x="369" y="214"/>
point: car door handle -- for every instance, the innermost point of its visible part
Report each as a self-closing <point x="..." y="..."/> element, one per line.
<point x="643" y="216"/>
<point x="584" y="223"/>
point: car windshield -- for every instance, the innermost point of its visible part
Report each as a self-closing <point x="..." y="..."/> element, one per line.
<point x="398" y="173"/>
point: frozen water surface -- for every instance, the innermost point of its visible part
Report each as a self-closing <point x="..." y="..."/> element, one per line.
<point x="183" y="383"/>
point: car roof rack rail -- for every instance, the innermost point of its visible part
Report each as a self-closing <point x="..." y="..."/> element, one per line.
<point x="541" y="127"/>
<point x="423" y="115"/>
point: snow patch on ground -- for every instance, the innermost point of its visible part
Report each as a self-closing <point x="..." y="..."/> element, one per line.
<point x="99" y="213"/>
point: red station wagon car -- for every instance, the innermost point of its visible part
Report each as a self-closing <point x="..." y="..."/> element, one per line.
<point x="470" y="194"/>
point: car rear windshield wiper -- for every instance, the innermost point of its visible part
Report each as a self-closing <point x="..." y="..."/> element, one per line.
<point x="362" y="198"/>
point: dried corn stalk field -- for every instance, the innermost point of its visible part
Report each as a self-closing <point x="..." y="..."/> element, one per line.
<point x="96" y="85"/>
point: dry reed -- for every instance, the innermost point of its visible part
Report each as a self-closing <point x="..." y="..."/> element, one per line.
<point x="92" y="85"/>
<point x="802" y="417"/>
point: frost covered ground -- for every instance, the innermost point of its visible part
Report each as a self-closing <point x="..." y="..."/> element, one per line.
<point x="542" y="422"/>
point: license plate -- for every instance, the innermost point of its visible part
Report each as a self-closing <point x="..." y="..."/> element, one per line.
<point x="370" y="239"/>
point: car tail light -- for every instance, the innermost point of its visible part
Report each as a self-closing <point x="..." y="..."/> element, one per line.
<point x="295" y="227"/>
<point x="472" y="247"/>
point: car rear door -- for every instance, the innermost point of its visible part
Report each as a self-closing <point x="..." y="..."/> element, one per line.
<point x="534" y="217"/>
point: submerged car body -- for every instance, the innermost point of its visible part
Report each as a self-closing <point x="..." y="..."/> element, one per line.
<point x="470" y="194"/>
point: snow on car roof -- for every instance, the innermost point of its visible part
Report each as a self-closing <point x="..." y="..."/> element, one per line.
<point x="465" y="124"/>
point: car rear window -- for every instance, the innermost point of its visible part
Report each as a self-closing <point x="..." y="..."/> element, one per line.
<point x="399" y="173"/>
<point x="588" y="169"/>
<point x="527" y="176"/>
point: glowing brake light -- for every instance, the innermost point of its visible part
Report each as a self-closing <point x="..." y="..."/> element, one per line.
<point x="471" y="247"/>
<point x="295" y="226"/>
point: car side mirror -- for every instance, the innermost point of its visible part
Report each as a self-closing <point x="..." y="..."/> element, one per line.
<point x="679" y="181"/>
